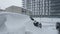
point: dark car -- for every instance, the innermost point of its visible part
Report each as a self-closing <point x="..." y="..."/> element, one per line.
<point x="58" y="26"/>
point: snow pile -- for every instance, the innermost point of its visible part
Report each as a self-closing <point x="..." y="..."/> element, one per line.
<point x="15" y="23"/>
<point x="21" y="24"/>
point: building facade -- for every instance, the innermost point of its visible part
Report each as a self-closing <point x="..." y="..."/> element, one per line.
<point x="14" y="9"/>
<point x="55" y="7"/>
<point x="38" y="7"/>
<point x="17" y="9"/>
<point x="2" y="10"/>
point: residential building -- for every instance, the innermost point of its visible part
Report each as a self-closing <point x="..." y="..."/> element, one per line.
<point x="17" y="9"/>
<point x="55" y="7"/>
<point x="14" y="9"/>
<point x="38" y="7"/>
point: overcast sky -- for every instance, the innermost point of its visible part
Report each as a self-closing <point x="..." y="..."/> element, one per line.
<point x="6" y="3"/>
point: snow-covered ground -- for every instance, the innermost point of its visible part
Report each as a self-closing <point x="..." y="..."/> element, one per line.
<point x="21" y="24"/>
<point x="48" y="26"/>
<point x="14" y="23"/>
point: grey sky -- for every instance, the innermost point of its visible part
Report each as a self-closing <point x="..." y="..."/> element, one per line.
<point x="7" y="3"/>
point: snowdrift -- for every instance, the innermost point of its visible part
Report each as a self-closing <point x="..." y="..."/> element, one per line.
<point x="21" y="24"/>
<point x="14" y="22"/>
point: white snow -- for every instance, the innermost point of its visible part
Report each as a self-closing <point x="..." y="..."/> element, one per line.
<point x="14" y="23"/>
<point x="21" y="24"/>
<point x="44" y="30"/>
<point x="48" y="26"/>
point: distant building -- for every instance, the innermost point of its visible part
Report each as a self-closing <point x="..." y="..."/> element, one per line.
<point x="16" y="9"/>
<point x="1" y="10"/>
<point x="27" y="12"/>
<point x="45" y="8"/>
<point x="38" y="7"/>
<point x="55" y="8"/>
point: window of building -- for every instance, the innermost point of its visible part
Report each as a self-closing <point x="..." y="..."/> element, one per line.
<point x="33" y="0"/>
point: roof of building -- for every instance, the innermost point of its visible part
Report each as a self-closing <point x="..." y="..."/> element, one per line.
<point x="13" y="7"/>
<point x="2" y="10"/>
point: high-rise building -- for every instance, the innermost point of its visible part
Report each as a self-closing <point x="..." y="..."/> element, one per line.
<point x="38" y="7"/>
<point x="55" y="7"/>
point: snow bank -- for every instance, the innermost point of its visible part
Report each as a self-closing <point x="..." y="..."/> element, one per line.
<point x="14" y="22"/>
<point x="21" y="24"/>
